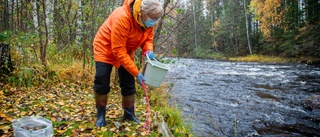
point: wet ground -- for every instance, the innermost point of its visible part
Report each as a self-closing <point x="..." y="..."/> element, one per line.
<point x="245" y="99"/>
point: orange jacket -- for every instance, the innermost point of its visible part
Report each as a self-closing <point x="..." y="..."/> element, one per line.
<point x="118" y="38"/>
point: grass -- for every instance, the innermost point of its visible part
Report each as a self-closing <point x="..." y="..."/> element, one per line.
<point x="260" y="58"/>
<point x="275" y="59"/>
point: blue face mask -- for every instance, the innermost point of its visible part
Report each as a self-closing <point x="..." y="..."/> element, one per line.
<point x="149" y="23"/>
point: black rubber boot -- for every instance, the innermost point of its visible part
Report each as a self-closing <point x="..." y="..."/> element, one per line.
<point x="101" y="114"/>
<point x="129" y="115"/>
<point x="101" y="103"/>
<point x="128" y="108"/>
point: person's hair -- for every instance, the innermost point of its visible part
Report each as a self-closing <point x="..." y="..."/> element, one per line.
<point x="151" y="6"/>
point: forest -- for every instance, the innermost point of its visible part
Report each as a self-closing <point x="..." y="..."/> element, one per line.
<point x="194" y="28"/>
<point x="45" y="42"/>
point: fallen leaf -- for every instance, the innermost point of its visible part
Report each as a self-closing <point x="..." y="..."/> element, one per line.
<point x="5" y="128"/>
<point x="127" y="129"/>
<point x="103" y="129"/>
<point x="113" y="129"/>
<point x="62" y="131"/>
<point x="53" y="119"/>
<point x="60" y="103"/>
<point x="23" y="113"/>
<point x="145" y="133"/>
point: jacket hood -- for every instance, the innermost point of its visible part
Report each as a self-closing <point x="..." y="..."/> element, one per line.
<point x="136" y="4"/>
<point x="126" y="6"/>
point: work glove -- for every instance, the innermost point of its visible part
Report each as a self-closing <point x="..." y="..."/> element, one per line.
<point x="150" y="54"/>
<point x="140" y="78"/>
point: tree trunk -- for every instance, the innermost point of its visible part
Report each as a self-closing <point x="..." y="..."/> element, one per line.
<point x="83" y="38"/>
<point x="5" y="16"/>
<point x="234" y="40"/>
<point x="12" y="18"/>
<point x="42" y="26"/>
<point x="247" y="26"/>
<point x="5" y="60"/>
<point x="195" y="24"/>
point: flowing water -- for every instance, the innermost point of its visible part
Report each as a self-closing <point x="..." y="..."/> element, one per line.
<point x="220" y="98"/>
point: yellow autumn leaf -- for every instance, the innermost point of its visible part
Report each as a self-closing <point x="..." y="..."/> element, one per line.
<point x="23" y="113"/>
<point x="5" y="128"/>
<point x="82" y="126"/>
<point x="183" y="130"/>
<point x="116" y="112"/>
<point x="144" y="133"/>
<point x="112" y="116"/>
<point x="72" y="106"/>
<point x="8" y="118"/>
<point x="103" y="129"/>
<point x="177" y="130"/>
<point x="88" y="111"/>
<point x="62" y="131"/>
<point x="3" y="115"/>
<point x="113" y="129"/>
<point x="53" y="119"/>
<point x="60" y="103"/>
<point x="127" y="129"/>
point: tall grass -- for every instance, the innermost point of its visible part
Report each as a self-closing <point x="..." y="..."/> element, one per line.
<point x="262" y="58"/>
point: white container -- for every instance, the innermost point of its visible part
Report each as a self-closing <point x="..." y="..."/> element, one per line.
<point x="154" y="72"/>
<point x="32" y="126"/>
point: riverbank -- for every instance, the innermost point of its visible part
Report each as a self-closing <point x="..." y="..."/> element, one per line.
<point x="276" y="59"/>
<point x="257" y="58"/>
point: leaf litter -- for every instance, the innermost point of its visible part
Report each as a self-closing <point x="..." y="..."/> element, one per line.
<point x="71" y="108"/>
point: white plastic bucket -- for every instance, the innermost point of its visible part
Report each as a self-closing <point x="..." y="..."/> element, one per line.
<point x="154" y="72"/>
<point x="32" y="126"/>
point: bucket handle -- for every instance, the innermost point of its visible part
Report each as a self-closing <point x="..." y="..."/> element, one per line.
<point x="149" y="60"/>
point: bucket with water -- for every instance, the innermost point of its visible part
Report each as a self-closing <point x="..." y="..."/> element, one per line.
<point x="154" y="72"/>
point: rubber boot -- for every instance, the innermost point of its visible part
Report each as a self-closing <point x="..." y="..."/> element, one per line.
<point x="128" y="108"/>
<point x="101" y="102"/>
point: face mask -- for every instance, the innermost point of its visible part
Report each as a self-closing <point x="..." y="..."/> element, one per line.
<point x="149" y="23"/>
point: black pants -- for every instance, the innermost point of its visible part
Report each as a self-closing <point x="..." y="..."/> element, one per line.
<point x="102" y="80"/>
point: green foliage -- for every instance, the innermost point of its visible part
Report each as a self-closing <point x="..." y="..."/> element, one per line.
<point x="173" y="119"/>
<point x="31" y="76"/>
<point x="4" y="36"/>
<point x="309" y="40"/>
<point x="180" y="11"/>
<point x="25" y="48"/>
<point x="67" y="55"/>
<point x="288" y="48"/>
<point x="205" y="53"/>
<point x="28" y="69"/>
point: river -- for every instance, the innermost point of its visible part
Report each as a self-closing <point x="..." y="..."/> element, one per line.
<point x="221" y="98"/>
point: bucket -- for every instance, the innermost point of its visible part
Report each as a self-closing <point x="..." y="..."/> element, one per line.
<point x="32" y="126"/>
<point x="154" y="72"/>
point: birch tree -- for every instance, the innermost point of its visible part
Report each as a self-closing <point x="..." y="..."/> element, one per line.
<point x="247" y="26"/>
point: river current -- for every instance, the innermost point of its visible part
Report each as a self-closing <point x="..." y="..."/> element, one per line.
<point x="222" y="98"/>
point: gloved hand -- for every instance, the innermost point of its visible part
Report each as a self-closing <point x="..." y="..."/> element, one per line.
<point x="140" y="78"/>
<point x="150" y="54"/>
